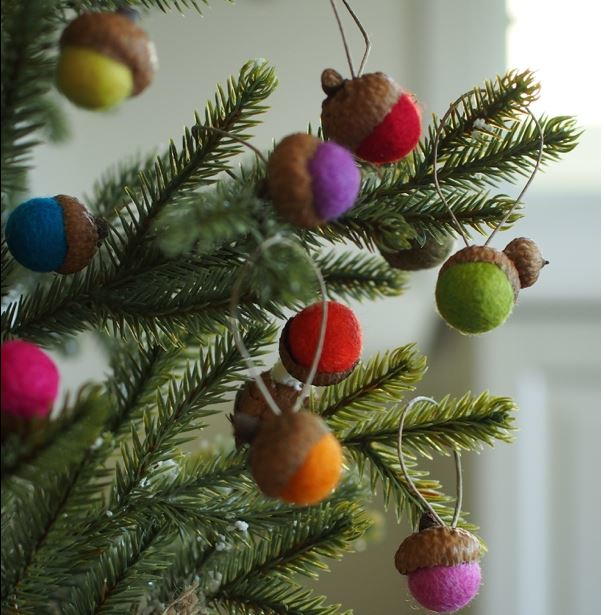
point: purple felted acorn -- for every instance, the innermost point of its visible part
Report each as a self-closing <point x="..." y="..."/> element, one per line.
<point x="312" y="181"/>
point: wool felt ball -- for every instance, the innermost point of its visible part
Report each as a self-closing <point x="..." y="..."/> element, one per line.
<point x="30" y="380"/>
<point x="527" y="259"/>
<point x="445" y="589"/>
<point x="371" y="115"/>
<point x="294" y="457"/>
<point x="342" y="345"/>
<point x="251" y="407"/>
<point x="476" y="289"/>
<point x="311" y="181"/>
<point x="421" y="255"/>
<point x="104" y="59"/>
<point x="53" y="234"/>
<point x="442" y="568"/>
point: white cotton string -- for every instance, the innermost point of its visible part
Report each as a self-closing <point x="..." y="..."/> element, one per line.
<point x="450" y="111"/>
<point x="408" y="478"/>
<point x="528" y="182"/>
<point x="364" y="34"/>
<point x="234" y="321"/>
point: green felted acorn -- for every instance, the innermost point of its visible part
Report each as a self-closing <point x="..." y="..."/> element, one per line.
<point x="476" y="289"/>
<point x="478" y="286"/>
<point x="421" y="255"/>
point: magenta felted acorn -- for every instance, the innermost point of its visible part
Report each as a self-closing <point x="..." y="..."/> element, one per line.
<point x="312" y="181"/>
<point x="30" y="381"/>
<point x="441" y="564"/>
<point x="440" y="561"/>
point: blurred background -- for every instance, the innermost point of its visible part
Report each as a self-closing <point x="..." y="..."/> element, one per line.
<point x="537" y="502"/>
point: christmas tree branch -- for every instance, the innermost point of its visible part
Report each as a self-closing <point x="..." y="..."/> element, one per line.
<point x="273" y="597"/>
<point x="184" y="408"/>
<point x="203" y="155"/>
<point x="464" y="424"/>
<point x="324" y="531"/>
<point x="33" y="457"/>
<point x="27" y="74"/>
<point x="381" y="381"/>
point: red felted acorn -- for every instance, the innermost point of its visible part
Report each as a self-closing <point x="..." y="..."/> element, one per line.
<point x="341" y="348"/>
<point x="371" y="115"/>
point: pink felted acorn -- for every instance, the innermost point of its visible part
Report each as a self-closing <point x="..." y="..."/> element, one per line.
<point x="30" y="381"/>
<point x="441" y="565"/>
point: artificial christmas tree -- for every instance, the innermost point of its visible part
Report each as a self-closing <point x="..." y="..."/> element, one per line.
<point x="102" y="511"/>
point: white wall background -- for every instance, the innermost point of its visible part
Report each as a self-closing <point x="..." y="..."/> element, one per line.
<point x="536" y="501"/>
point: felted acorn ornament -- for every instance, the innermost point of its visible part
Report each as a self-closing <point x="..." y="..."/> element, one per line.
<point x="441" y="565"/>
<point x="294" y="457"/>
<point x="341" y="348"/>
<point x="311" y="181"/>
<point x="54" y="234"/>
<point x="251" y="408"/>
<point x="104" y="58"/>
<point x="426" y="255"/>
<point x="371" y="115"/>
<point x="476" y="289"/>
<point x="478" y="286"/>
<point x="30" y="381"/>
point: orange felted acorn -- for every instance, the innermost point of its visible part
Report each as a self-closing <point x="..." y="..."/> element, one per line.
<point x="294" y="457"/>
<point x="341" y="349"/>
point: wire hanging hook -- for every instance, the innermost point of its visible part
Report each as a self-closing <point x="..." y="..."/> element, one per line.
<point x="462" y="232"/>
<point x="529" y="181"/>
<point x="363" y="32"/>
<point x="411" y="484"/>
<point x="234" y="321"/>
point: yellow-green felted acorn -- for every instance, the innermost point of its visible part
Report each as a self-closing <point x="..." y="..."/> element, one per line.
<point x="421" y="255"/>
<point x="104" y="59"/>
<point x="478" y="286"/>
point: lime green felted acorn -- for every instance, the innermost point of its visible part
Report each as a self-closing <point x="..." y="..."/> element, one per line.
<point x="104" y="59"/>
<point x="478" y="286"/>
<point x="476" y="289"/>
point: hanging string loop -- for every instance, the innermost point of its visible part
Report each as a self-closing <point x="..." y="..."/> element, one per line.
<point x="411" y="485"/>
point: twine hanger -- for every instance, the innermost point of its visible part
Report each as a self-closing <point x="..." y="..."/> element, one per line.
<point x="364" y="34"/>
<point x="421" y="499"/>
<point x="234" y="320"/>
<point x="457" y="224"/>
<point x="236" y="295"/>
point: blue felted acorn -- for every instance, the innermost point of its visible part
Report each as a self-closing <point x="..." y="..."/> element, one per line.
<point x="54" y="234"/>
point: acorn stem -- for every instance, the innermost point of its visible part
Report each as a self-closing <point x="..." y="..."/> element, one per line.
<point x="331" y="81"/>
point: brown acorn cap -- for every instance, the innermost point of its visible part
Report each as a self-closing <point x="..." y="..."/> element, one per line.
<point x="526" y="256"/>
<point x="436" y="546"/>
<point x="420" y="256"/>
<point x="281" y="446"/>
<point x="485" y="254"/>
<point x="356" y="106"/>
<point x="83" y="232"/>
<point x="290" y="181"/>
<point x="250" y="402"/>
<point x="117" y="37"/>
<point x="300" y="372"/>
